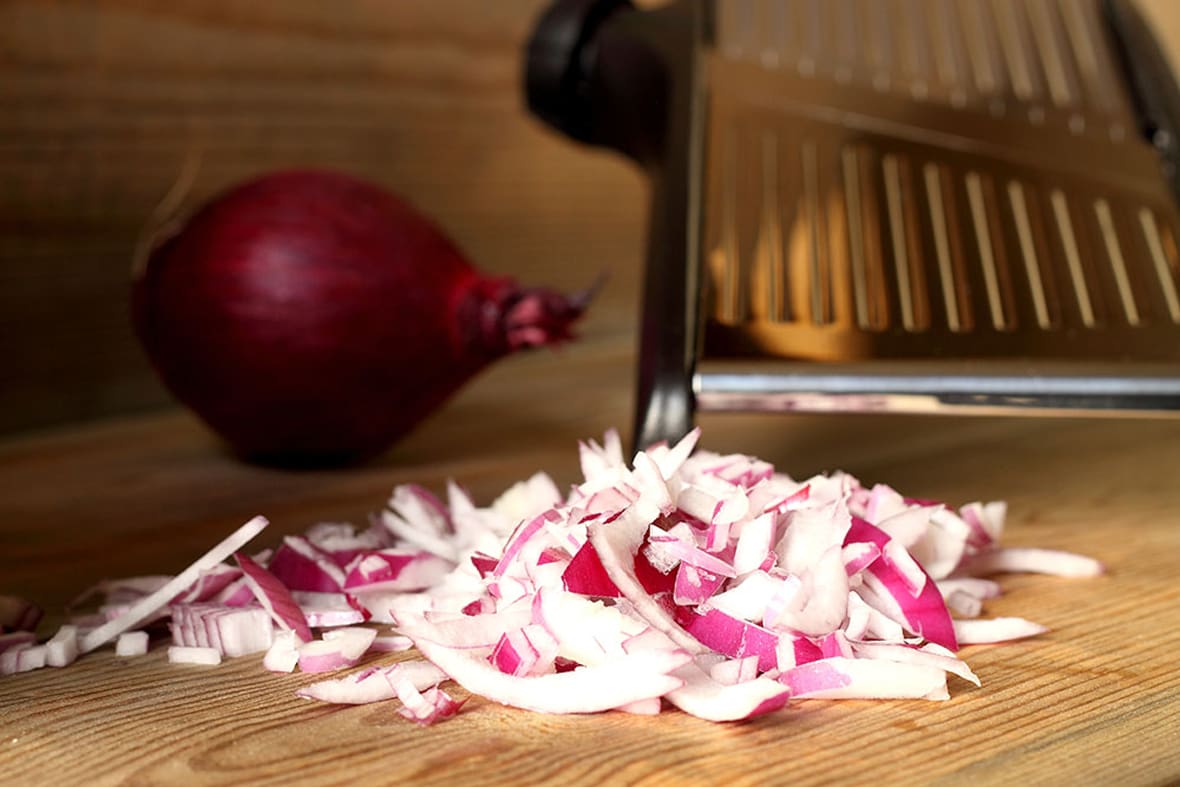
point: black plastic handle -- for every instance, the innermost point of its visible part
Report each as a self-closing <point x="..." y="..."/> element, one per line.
<point x="606" y="74"/>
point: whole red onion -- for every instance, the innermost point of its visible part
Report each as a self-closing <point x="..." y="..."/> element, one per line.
<point x="310" y="317"/>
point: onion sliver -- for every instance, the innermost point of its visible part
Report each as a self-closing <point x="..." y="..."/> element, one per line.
<point x="626" y="679"/>
<point x="705" y="698"/>
<point x="131" y="643"/>
<point x="374" y="685"/>
<point x="274" y="597"/>
<point x="209" y="657"/>
<point x="986" y="632"/>
<point x="839" y="678"/>
<point x="148" y="605"/>
<point x="1034" y="561"/>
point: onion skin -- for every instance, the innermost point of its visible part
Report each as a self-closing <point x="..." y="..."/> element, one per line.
<point x="313" y="318"/>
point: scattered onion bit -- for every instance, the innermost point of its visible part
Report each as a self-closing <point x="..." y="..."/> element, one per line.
<point x="131" y="643"/>
<point x="426" y="707"/>
<point x="62" y="647"/>
<point x="179" y="654"/>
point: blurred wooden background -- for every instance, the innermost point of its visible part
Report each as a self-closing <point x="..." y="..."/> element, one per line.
<point x="102" y="103"/>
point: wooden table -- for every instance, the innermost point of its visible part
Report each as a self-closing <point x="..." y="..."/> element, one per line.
<point x="1097" y="700"/>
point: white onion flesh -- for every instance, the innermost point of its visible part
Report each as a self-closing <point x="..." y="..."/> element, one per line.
<point x="62" y="647"/>
<point x="283" y="653"/>
<point x="132" y="643"/>
<point x="986" y="632"/>
<point x="208" y="657"/>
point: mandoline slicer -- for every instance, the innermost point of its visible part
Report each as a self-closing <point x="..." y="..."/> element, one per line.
<point x="887" y="205"/>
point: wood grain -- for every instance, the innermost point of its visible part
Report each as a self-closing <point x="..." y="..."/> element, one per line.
<point x="1096" y="701"/>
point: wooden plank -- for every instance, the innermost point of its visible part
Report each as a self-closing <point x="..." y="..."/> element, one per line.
<point x="1097" y="700"/>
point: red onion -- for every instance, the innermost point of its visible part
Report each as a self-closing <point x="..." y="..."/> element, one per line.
<point x="310" y="317"/>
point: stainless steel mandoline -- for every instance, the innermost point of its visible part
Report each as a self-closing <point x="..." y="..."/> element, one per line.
<point x="887" y="205"/>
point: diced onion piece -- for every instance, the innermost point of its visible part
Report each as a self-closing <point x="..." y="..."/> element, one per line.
<point x="401" y="570"/>
<point x="391" y="643"/>
<point x="793" y="651"/>
<point x="179" y="654"/>
<point x="427" y="707"/>
<point x="131" y="643"/>
<point x="530" y="650"/>
<point x="62" y="648"/>
<point x="754" y="543"/>
<point x="15" y="639"/>
<point x="301" y="565"/>
<point x="963" y="604"/>
<point x="585" y="575"/>
<point x="243" y="631"/>
<point x="670" y="551"/>
<point x="694" y="586"/>
<point x="732" y="636"/>
<point x="142" y="609"/>
<point x="974" y="586"/>
<point x="328" y="610"/>
<point x="731" y="671"/>
<point x="908" y="570"/>
<point x="858" y="556"/>
<point x="24" y="657"/>
<point x="283" y="653"/>
<point x="338" y="649"/>
<point x="233" y="631"/>
<point x="648" y="707"/>
<point x="819" y="604"/>
<point x="8" y="658"/>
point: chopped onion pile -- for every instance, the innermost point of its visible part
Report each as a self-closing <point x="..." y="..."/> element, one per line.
<point x="710" y="582"/>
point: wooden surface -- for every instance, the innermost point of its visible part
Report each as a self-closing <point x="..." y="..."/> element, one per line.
<point x="1096" y="701"/>
<point x="103" y="102"/>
